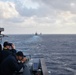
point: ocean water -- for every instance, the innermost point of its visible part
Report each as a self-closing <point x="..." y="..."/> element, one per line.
<point x="59" y="51"/>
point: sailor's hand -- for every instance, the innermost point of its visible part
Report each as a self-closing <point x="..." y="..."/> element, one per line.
<point x="13" y="46"/>
<point x="24" y="59"/>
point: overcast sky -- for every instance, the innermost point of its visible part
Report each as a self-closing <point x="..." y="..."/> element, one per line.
<point x="42" y="16"/>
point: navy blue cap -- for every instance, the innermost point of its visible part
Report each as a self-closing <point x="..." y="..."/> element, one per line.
<point x="19" y="53"/>
<point x="6" y="43"/>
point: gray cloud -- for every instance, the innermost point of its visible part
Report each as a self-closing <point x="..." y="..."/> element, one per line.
<point x="62" y="5"/>
<point x="58" y="5"/>
<point x="28" y="12"/>
<point x="15" y="20"/>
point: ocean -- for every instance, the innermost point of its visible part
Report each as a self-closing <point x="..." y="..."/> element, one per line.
<point x="59" y="51"/>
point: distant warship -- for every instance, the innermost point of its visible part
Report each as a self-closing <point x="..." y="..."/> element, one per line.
<point x="36" y="33"/>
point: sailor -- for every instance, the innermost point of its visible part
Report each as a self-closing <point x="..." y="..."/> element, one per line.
<point x="5" y="52"/>
<point x="9" y="46"/>
<point x="10" y="65"/>
<point x="6" y="45"/>
<point x="8" y="49"/>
